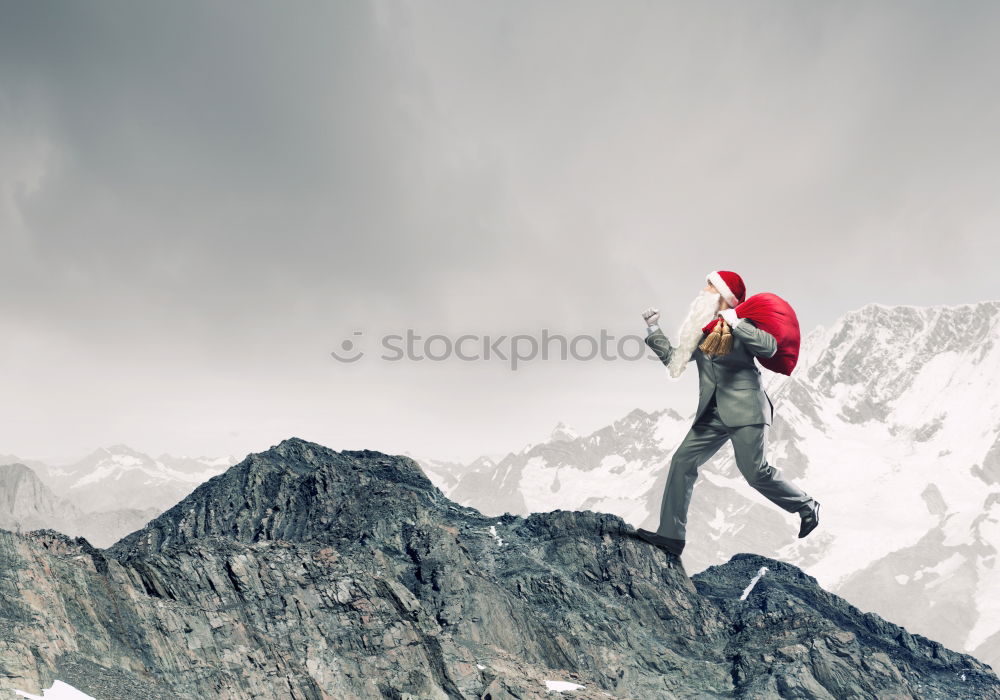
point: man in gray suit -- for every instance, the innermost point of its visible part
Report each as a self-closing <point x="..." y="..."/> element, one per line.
<point x="732" y="405"/>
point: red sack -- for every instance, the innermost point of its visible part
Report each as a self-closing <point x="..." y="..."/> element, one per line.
<point x="771" y="313"/>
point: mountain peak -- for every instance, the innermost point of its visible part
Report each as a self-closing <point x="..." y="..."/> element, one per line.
<point x="17" y="469"/>
<point x="296" y="490"/>
<point x="563" y="433"/>
<point x="120" y="448"/>
<point x="26" y="503"/>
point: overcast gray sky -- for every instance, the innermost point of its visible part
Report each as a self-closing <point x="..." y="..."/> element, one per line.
<point x="198" y="202"/>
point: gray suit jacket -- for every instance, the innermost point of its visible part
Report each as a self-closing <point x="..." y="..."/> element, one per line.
<point x="733" y="377"/>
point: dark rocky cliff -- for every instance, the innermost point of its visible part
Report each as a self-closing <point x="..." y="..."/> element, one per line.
<point x="308" y="573"/>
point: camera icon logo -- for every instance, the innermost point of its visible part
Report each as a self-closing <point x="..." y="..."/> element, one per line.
<point x="348" y="346"/>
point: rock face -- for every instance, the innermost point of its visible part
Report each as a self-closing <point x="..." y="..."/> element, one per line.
<point x="303" y="572"/>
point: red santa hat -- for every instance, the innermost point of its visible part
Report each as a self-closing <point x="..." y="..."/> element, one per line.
<point x="730" y="285"/>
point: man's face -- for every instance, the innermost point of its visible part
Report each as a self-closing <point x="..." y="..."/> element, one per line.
<point x="722" y="302"/>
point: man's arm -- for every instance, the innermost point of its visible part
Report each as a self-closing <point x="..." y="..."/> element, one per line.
<point x="759" y="342"/>
<point x="660" y="345"/>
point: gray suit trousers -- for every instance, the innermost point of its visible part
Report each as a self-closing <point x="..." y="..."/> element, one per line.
<point x="703" y="440"/>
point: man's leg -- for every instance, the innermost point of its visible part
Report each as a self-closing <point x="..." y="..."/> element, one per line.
<point x="703" y="440"/>
<point x="749" y="442"/>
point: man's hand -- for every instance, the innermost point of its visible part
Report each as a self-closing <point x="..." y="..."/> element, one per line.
<point x="651" y="316"/>
<point x="730" y="316"/>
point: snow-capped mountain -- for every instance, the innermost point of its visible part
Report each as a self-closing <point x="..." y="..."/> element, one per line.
<point x="116" y="477"/>
<point x="902" y="437"/>
<point x="891" y="420"/>
<point x="26" y="503"/>
<point x="449" y="472"/>
<point x="104" y="496"/>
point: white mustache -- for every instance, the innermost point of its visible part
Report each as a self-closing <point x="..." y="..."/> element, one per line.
<point x="703" y="308"/>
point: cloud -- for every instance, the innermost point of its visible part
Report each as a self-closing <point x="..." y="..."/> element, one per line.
<point x="195" y="194"/>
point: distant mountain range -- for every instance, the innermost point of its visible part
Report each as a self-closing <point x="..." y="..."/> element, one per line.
<point x="891" y="419"/>
<point x="303" y="572"/>
<point x="104" y="496"/>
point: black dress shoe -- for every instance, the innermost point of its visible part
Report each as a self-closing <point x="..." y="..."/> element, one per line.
<point x="809" y="521"/>
<point x="665" y="543"/>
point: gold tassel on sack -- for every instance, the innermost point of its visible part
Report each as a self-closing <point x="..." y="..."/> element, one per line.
<point x="727" y="340"/>
<point x="714" y="339"/>
<point x="719" y="341"/>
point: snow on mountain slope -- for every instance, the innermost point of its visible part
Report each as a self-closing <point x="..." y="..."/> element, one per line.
<point x="607" y="470"/>
<point x="899" y="439"/>
<point x="449" y="473"/>
<point x="891" y="420"/>
<point x="58" y="691"/>
<point x="893" y="423"/>
<point x="119" y="477"/>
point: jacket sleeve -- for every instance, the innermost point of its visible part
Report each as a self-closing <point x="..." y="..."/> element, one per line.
<point x="662" y="347"/>
<point x="760" y="343"/>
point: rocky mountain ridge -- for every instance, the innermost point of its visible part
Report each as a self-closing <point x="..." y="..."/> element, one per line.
<point x="309" y="573"/>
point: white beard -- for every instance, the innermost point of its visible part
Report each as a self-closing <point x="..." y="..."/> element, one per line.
<point x="703" y="309"/>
